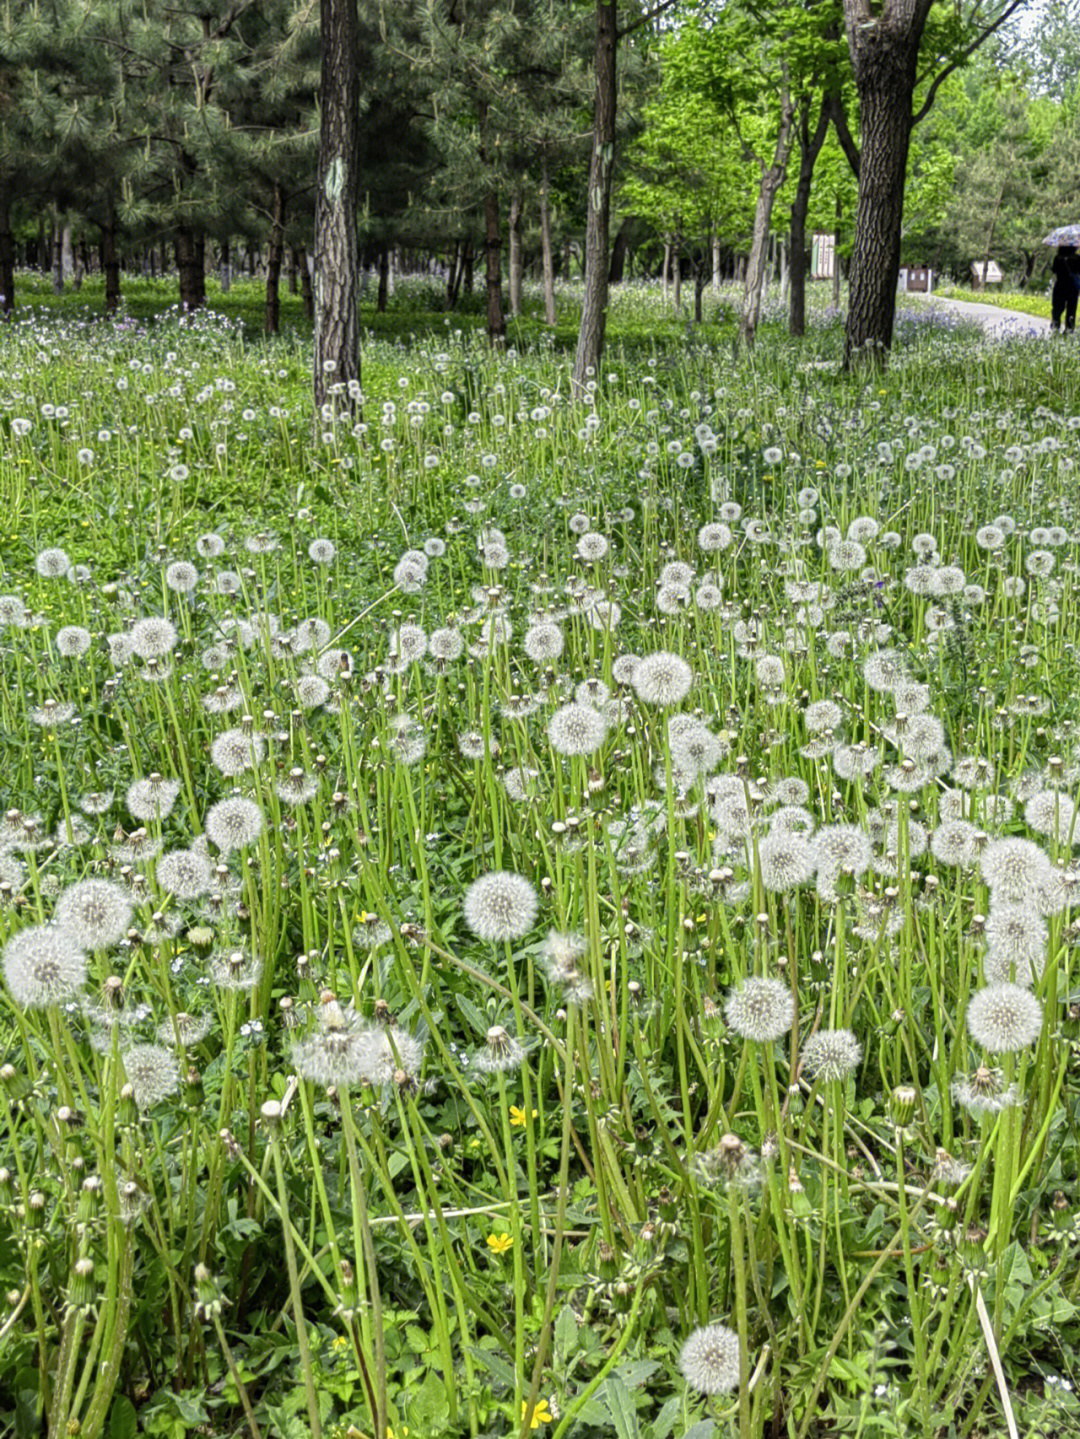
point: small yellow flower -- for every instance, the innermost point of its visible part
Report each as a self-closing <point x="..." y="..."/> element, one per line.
<point x="499" y="1243"/>
<point x="391" y="1434"/>
<point x="540" y="1415"/>
<point x="517" y="1116"/>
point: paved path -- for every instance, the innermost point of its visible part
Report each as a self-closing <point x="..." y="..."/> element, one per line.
<point x="994" y="320"/>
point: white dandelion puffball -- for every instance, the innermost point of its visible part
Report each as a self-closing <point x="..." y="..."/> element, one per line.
<point x="710" y="1359"/>
<point x="500" y="906"/>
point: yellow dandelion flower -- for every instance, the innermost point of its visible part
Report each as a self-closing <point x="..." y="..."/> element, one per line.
<point x="499" y="1243"/>
<point x="517" y="1116"/>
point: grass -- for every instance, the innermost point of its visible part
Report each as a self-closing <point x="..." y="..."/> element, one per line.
<point x="1027" y="302"/>
<point x="466" y="1013"/>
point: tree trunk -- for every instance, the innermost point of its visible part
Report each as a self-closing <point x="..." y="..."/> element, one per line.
<point x="545" y="243"/>
<point x="306" y="294"/>
<point x="225" y="268"/>
<point x="666" y="272"/>
<point x="699" y="287"/>
<point x="590" y="344"/>
<point x="451" y="276"/>
<point x="884" y="58"/>
<point x="189" y="264"/>
<point x="337" y="257"/>
<point x="810" y="143"/>
<point x="7" y="251"/>
<point x="110" y="261"/>
<point x="516" y="260"/>
<point x="716" y="264"/>
<point x="273" y="262"/>
<point x="57" y="259"/>
<point x="618" y="256"/>
<point x="294" y="270"/>
<point x="467" y="266"/>
<point x="384" y="279"/>
<point x="772" y="177"/>
<point x="496" y="320"/>
<point x="67" y="253"/>
<point x="676" y="273"/>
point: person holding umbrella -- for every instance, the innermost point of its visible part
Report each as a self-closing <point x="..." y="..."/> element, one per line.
<point x="1066" y="271"/>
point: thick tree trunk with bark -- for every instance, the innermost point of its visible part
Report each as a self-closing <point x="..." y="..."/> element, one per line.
<point x="7" y="252"/>
<point x="337" y="257"/>
<point x="273" y="262"/>
<point x="110" y="262"/>
<point x="810" y="143"/>
<point x="590" y="343"/>
<point x="225" y="266"/>
<point x="772" y="177"/>
<point x="452" y="273"/>
<point x="884" y="57"/>
<point x="294" y="270"/>
<point x="517" y="263"/>
<point x="190" y="257"/>
<point x="545" y="244"/>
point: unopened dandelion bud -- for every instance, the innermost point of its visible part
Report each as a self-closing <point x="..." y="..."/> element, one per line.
<point x="948" y="1212"/>
<point x="209" y="1300"/>
<point x="128" y="1111"/>
<point x="35" y="1209"/>
<point x="82" y="1291"/>
<point x="12" y="1297"/>
<point x="193" y="1089"/>
<point x="1059" y="1207"/>
<point x="903" y="1105"/>
<point x="7" y="1189"/>
<point x="971" y="1246"/>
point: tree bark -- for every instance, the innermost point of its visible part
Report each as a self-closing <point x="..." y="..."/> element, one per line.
<point x="590" y="344"/>
<point x="7" y="251"/>
<point x="337" y="257"/>
<point x="190" y="264"/>
<point x="772" y="177"/>
<point x="225" y="267"/>
<point x="467" y="266"/>
<point x="516" y="259"/>
<point x="451" y="276"/>
<point x="496" y="319"/>
<point x="384" y="279"/>
<point x="294" y="270"/>
<point x="884" y="57"/>
<point x="618" y="256"/>
<point x="57" y="259"/>
<point x="676" y="272"/>
<point x="810" y="143"/>
<point x="306" y="294"/>
<point x="545" y="243"/>
<point x="665" y="273"/>
<point x="273" y="262"/>
<point x="110" y="261"/>
<point x="716" y="264"/>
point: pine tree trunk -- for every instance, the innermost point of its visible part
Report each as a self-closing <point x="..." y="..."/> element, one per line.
<point x="590" y="342"/>
<point x="294" y="270"/>
<point x="517" y="264"/>
<point x="810" y="143"/>
<point x="452" y="275"/>
<point x="57" y="260"/>
<point x="199" y="268"/>
<point x="306" y="294"/>
<point x="772" y="177"/>
<point x="496" y="320"/>
<point x="110" y="261"/>
<point x="665" y="271"/>
<point x="384" y="279"/>
<point x="618" y="256"/>
<point x="225" y="266"/>
<point x="337" y="257"/>
<point x="67" y="254"/>
<point x="676" y="273"/>
<point x="467" y="266"/>
<point x="545" y="244"/>
<point x="273" y="262"/>
<point x="699" y="288"/>
<point x="716" y="264"/>
<point x="884" y="58"/>
<point x="189" y="266"/>
<point x="7" y="251"/>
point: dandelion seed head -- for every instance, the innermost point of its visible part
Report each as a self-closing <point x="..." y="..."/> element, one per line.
<point x="96" y="912"/>
<point x="710" y="1359"/>
<point x="44" y="964"/>
<point x="761" y="1009"/>
<point x="500" y="906"/>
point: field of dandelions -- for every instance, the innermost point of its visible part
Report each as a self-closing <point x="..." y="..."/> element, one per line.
<point x="522" y="914"/>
